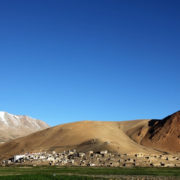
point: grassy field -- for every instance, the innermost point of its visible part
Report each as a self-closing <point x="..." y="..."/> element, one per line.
<point x="46" y="177"/>
<point x="81" y="173"/>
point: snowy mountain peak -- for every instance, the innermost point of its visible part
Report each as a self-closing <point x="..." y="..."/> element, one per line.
<point x="18" y="125"/>
<point x="2" y="117"/>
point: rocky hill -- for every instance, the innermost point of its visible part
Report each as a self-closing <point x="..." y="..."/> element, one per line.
<point x="164" y="134"/>
<point x="137" y="136"/>
<point x="14" y="126"/>
<point x="82" y="136"/>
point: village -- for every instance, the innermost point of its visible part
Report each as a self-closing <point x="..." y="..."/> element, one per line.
<point x="95" y="159"/>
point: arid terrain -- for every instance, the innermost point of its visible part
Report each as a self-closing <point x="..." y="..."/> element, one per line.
<point x="14" y="126"/>
<point x="138" y="136"/>
<point x="164" y="135"/>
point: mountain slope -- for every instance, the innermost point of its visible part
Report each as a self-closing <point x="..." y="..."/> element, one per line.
<point x="138" y="136"/>
<point x="14" y="126"/>
<point x="83" y="136"/>
<point x="164" y="134"/>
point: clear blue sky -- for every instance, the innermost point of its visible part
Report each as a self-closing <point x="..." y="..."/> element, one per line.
<point x="71" y="60"/>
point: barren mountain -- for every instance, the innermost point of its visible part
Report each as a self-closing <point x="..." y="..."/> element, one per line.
<point x="83" y="136"/>
<point x="146" y="136"/>
<point x="14" y="126"/>
<point x="164" y="135"/>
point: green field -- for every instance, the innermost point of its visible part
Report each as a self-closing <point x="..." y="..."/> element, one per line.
<point x="83" y="173"/>
<point x="45" y="177"/>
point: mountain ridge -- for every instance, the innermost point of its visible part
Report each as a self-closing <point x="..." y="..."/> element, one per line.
<point x="164" y="134"/>
<point x="14" y="126"/>
<point x="148" y="136"/>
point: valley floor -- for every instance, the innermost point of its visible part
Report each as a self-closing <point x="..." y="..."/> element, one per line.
<point x="80" y="173"/>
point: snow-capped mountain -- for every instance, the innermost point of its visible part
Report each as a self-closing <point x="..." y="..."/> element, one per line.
<point x="14" y="126"/>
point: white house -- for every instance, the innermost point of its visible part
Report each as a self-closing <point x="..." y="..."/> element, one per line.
<point x="17" y="157"/>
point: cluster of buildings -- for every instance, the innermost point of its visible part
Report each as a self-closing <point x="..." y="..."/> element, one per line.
<point x="99" y="159"/>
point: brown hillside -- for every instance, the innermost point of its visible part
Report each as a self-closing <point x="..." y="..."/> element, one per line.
<point x="83" y="136"/>
<point x="164" y="134"/>
<point x="146" y="136"/>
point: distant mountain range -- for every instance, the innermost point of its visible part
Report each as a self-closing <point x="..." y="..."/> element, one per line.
<point x="137" y="136"/>
<point x="14" y="126"/>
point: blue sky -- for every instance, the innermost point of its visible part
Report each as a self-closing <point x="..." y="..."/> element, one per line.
<point x="67" y="60"/>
